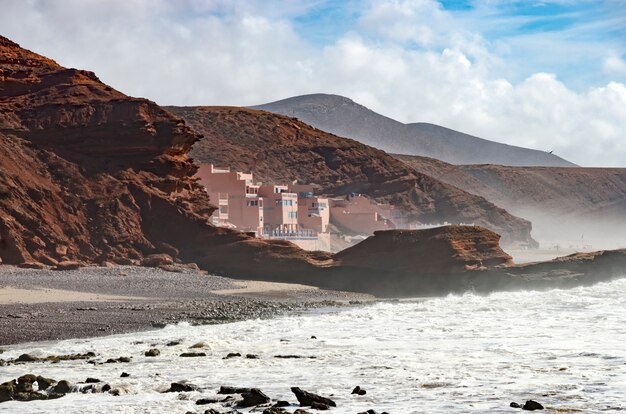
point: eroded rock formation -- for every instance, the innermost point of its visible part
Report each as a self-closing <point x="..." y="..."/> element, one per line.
<point x="88" y="173"/>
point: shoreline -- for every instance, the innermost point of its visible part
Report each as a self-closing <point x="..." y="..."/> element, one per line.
<point x="46" y="305"/>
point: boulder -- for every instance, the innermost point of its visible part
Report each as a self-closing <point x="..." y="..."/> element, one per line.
<point x="44" y="383"/>
<point x="68" y="265"/>
<point x="181" y="387"/>
<point x="125" y="375"/>
<point x="359" y="391"/>
<point x="62" y="387"/>
<point x="205" y="401"/>
<point x="274" y="410"/>
<point x="26" y="358"/>
<point x="192" y="354"/>
<point x="192" y="266"/>
<point x="232" y="355"/>
<point x="319" y="406"/>
<point x="152" y="352"/>
<point x="306" y="398"/>
<point x="254" y="397"/>
<point x="532" y="405"/>
<point x="168" y="249"/>
<point x="30" y="396"/>
<point x="25" y="383"/>
<point x="7" y="390"/>
<point x="47" y="260"/>
<point x="116" y="360"/>
<point x="233" y="390"/>
<point x="156" y="260"/>
<point x="31" y="265"/>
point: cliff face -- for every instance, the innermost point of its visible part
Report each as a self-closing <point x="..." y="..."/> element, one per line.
<point x="86" y="172"/>
<point x="281" y="149"/>
<point x="562" y="203"/>
<point x="451" y="248"/>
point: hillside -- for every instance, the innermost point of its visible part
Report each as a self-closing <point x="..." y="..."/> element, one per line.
<point x="346" y="118"/>
<point x="88" y="173"/>
<point x="277" y="148"/>
<point x="581" y="205"/>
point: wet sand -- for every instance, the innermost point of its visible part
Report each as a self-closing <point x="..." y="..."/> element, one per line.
<point x="39" y="305"/>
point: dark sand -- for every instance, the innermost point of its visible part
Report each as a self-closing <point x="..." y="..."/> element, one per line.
<point x="38" y="305"/>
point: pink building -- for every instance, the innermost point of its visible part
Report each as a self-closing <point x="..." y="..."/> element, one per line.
<point x="235" y="194"/>
<point x="358" y="214"/>
<point x="281" y="212"/>
<point x="281" y="209"/>
<point x="313" y="211"/>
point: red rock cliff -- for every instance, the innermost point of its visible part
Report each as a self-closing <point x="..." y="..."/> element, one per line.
<point x="88" y="173"/>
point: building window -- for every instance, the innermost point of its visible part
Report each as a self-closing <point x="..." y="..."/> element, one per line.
<point x="252" y="203"/>
<point x="292" y="215"/>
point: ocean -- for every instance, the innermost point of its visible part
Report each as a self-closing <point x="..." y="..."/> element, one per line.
<point x="457" y="354"/>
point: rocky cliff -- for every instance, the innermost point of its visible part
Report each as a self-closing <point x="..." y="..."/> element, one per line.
<point x="88" y="173"/>
<point x="281" y="149"/>
<point x="344" y="117"/>
<point x="569" y="205"/>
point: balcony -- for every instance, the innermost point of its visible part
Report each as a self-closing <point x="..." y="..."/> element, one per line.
<point x="222" y="199"/>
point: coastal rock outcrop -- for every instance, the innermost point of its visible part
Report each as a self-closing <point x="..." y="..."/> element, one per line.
<point x="306" y="398"/>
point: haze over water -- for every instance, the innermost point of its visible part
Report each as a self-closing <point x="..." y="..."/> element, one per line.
<point x="469" y="353"/>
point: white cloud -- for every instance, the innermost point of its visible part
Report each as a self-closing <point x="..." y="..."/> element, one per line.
<point x="407" y="59"/>
<point x="614" y="64"/>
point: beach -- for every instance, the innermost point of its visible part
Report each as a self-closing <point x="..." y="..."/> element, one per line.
<point x="464" y="353"/>
<point x="41" y="305"/>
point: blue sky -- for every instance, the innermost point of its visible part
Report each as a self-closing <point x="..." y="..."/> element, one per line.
<point x="545" y="74"/>
<point x="567" y="37"/>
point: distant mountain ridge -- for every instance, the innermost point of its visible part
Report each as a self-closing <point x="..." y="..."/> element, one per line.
<point x="585" y="205"/>
<point x="344" y="117"/>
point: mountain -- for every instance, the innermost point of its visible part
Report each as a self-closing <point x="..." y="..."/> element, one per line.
<point x="277" y="148"/>
<point x="346" y="118"/>
<point x="568" y="205"/>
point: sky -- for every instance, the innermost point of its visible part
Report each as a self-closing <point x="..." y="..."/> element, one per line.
<point x="543" y="74"/>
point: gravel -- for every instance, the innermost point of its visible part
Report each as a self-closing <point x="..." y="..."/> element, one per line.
<point x="161" y="298"/>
